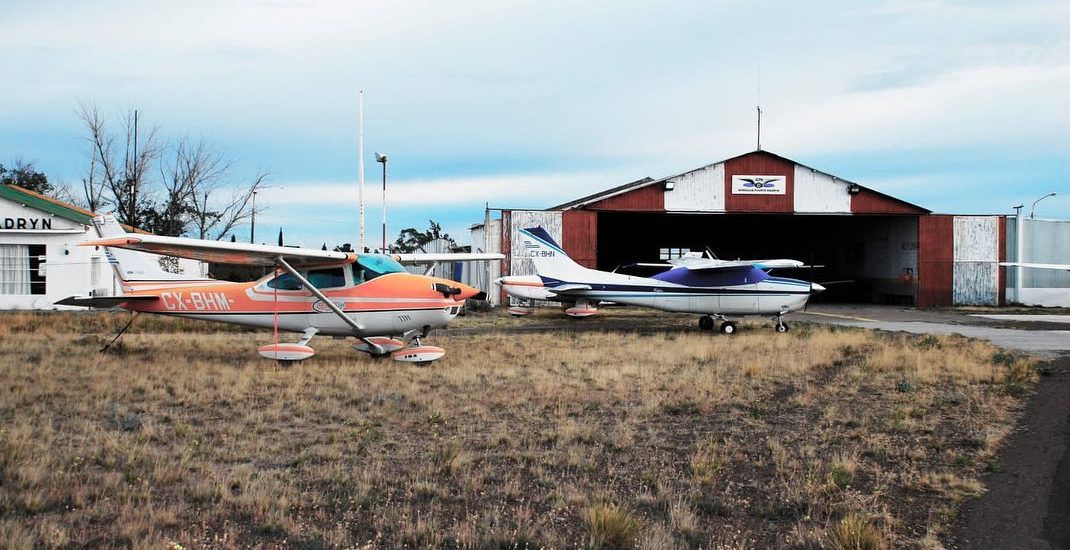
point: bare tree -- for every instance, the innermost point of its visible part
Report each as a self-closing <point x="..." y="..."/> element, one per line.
<point x="193" y="180"/>
<point x="213" y="219"/>
<point x="192" y="168"/>
<point x="124" y="180"/>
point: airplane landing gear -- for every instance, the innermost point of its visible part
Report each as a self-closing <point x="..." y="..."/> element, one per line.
<point x="728" y="327"/>
<point x="705" y="322"/>
<point x="779" y="325"/>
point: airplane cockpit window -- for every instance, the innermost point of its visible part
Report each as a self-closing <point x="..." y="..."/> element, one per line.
<point x="284" y="282"/>
<point x="370" y="266"/>
<point x="327" y="278"/>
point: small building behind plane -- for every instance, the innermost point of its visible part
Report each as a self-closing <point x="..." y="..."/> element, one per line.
<point x="40" y="260"/>
<point x="870" y="247"/>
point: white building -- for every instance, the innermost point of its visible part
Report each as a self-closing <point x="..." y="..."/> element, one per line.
<point x="40" y="260"/>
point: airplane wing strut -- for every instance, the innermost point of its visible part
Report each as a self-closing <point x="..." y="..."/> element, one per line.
<point x="334" y="307"/>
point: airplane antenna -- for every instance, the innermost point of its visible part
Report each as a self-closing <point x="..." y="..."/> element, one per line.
<point x="360" y="169"/>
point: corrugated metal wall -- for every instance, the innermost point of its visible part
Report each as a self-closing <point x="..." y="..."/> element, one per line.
<point x="645" y="199"/>
<point x="1044" y="241"/>
<point x="936" y="255"/>
<point x="579" y="236"/>
<point x="975" y="274"/>
<point x="698" y="191"/>
<point x="868" y="202"/>
<point x="819" y="192"/>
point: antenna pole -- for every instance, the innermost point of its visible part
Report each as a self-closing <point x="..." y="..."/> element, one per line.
<point x="759" y="127"/>
<point x="360" y="169"/>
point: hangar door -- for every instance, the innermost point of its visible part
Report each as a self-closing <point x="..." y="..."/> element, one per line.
<point x="867" y="259"/>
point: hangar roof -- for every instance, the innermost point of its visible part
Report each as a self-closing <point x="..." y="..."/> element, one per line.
<point x="899" y="204"/>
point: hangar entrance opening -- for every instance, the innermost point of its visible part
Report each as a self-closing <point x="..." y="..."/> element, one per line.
<point x="878" y="255"/>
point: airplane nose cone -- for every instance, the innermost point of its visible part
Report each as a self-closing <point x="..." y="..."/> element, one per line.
<point x="469" y="292"/>
<point x="499" y="281"/>
<point x="815" y="288"/>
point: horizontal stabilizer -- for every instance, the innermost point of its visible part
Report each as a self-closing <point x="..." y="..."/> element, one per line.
<point x="103" y="301"/>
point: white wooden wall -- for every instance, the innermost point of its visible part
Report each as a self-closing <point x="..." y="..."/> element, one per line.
<point x="975" y="272"/>
<point x="701" y="190"/>
<point x="819" y="192"/>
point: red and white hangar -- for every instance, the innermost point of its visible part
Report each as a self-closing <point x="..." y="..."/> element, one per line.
<point x="762" y="205"/>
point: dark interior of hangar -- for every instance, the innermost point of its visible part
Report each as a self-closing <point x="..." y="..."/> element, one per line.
<point x="867" y="259"/>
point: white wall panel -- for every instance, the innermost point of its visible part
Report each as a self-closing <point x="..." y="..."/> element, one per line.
<point x="818" y="192"/>
<point x="975" y="273"/>
<point x="698" y="191"/>
<point x="976" y="238"/>
<point x="975" y="283"/>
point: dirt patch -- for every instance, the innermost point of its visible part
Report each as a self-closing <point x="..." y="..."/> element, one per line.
<point x="1027" y="504"/>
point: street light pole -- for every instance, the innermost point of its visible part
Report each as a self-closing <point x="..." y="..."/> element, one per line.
<point x="382" y="158"/>
<point x="252" y="222"/>
<point x="1034" y="207"/>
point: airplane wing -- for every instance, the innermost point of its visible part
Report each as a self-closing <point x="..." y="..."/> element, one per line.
<point x="709" y="264"/>
<point x="1036" y="266"/>
<point x="422" y="258"/>
<point x="222" y="252"/>
<point x="104" y="301"/>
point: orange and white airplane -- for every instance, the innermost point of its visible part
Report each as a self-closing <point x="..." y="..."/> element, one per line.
<point x="368" y="296"/>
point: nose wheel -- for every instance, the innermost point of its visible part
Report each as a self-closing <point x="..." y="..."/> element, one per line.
<point x="779" y="325"/>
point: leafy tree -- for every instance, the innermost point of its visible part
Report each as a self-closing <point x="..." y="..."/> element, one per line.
<point x="25" y="176"/>
<point x="413" y="240"/>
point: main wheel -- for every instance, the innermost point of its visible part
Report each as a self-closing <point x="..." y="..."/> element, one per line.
<point x="728" y="327"/>
<point x="705" y="322"/>
<point x="782" y="327"/>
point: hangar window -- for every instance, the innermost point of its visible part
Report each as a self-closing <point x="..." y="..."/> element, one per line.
<point x="22" y="269"/>
<point x="673" y="253"/>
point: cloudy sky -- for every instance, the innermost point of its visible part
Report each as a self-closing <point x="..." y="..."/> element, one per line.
<point x="961" y="107"/>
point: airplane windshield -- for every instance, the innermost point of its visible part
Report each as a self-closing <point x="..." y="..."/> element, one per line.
<point x="370" y="266"/>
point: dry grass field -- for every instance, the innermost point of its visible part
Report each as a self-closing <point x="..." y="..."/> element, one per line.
<point x="817" y="438"/>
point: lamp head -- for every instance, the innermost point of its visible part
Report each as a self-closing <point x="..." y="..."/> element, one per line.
<point x="380" y="158"/>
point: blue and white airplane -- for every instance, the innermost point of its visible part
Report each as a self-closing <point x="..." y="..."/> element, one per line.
<point x="723" y="289"/>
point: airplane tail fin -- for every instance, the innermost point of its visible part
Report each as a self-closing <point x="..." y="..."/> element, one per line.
<point x="137" y="267"/>
<point x="549" y="258"/>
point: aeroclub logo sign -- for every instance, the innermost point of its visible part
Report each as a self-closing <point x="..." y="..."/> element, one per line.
<point x="759" y="185"/>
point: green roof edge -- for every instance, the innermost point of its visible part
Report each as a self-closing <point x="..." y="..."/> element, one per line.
<point x="34" y="201"/>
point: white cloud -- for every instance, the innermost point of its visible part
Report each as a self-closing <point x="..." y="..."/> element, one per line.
<point x="513" y="191"/>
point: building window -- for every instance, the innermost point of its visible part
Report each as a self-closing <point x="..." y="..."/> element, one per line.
<point x="673" y="253"/>
<point x="22" y="269"/>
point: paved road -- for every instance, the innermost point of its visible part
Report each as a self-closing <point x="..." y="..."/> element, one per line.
<point x="1044" y="335"/>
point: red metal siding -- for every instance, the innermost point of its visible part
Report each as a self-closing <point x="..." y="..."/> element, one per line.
<point x="1002" y="258"/>
<point x="868" y="202"/>
<point x="759" y="164"/>
<point x="936" y="255"/>
<point x="579" y="236"/>
<point x="645" y="199"/>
